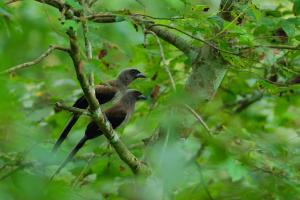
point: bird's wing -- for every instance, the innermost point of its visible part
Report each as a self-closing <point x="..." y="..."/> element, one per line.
<point x="81" y="103"/>
<point x="116" y="115"/>
<point x="105" y="93"/>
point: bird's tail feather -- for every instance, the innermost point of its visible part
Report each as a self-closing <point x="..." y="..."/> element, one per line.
<point x="71" y="155"/>
<point x="65" y="132"/>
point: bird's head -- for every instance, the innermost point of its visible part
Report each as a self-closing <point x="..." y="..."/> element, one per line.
<point x="135" y="95"/>
<point x="128" y="75"/>
<point x="131" y="96"/>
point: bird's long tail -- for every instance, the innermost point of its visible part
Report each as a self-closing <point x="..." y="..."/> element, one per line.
<point x="71" y="155"/>
<point x="65" y="132"/>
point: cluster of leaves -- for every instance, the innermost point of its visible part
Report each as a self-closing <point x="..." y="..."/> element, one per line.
<point x="253" y="117"/>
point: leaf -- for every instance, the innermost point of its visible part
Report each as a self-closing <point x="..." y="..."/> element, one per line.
<point x="235" y="169"/>
<point x="70" y="24"/>
<point x="296" y="7"/>
<point x="74" y="4"/>
<point x="289" y="28"/>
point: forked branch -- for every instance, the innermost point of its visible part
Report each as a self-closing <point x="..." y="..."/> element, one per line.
<point x="37" y="60"/>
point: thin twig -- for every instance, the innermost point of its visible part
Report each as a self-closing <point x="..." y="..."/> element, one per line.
<point x="74" y="110"/>
<point x="21" y="166"/>
<point x="91" y="3"/>
<point x="199" y="118"/>
<point x="88" y="44"/>
<point x="11" y="1"/>
<point x="274" y="47"/>
<point x="203" y="181"/>
<point x="80" y="176"/>
<point x="159" y="18"/>
<point x="91" y="79"/>
<point x="103" y="18"/>
<point x="164" y="61"/>
<point x="85" y="29"/>
<point x="248" y="101"/>
<point x="230" y="24"/>
<point x="35" y="61"/>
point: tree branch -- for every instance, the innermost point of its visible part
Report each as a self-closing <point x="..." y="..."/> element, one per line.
<point x="166" y="35"/>
<point x="171" y="38"/>
<point x="297" y="48"/>
<point x="85" y="28"/>
<point x="248" y="101"/>
<point x="61" y="106"/>
<point x="17" y="168"/>
<point x="54" y="3"/>
<point x="164" y="61"/>
<point x="104" y="18"/>
<point x="159" y="18"/>
<point x="199" y="118"/>
<point x="11" y="1"/>
<point x="35" y="61"/>
<point x="199" y="39"/>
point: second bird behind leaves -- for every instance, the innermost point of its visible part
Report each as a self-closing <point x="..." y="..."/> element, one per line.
<point x="104" y="92"/>
<point x="116" y="115"/>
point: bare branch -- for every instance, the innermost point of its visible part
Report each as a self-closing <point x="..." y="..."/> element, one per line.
<point x="91" y="79"/>
<point x="199" y="118"/>
<point x="92" y="2"/>
<point x="159" y="18"/>
<point x="55" y="3"/>
<point x="35" y="61"/>
<point x="88" y="45"/>
<point x="17" y="168"/>
<point x="12" y="1"/>
<point x="248" y="101"/>
<point x="85" y="28"/>
<point x="104" y="18"/>
<point x="171" y="38"/>
<point x="81" y="175"/>
<point x="297" y="48"/>
<point x="74" y="110"/>
<point x="164" y="61"/>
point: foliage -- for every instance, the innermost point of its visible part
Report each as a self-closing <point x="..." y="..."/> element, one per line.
<point x="254" y="117"/>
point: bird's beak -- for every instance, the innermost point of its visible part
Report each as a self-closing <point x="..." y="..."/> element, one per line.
<point x="142" y="97"/>
<point x="140" y="75"/>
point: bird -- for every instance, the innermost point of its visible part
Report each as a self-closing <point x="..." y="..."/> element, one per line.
<point x="104" y="93"/>
<point x="116" y="115"/>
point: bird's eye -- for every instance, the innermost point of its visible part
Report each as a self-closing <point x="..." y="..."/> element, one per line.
<point x="137" y="94"/>
<point x="134" y="72"/>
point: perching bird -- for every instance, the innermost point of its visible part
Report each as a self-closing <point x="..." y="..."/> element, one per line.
<point x="116" y="115"/>
<point x="104" y="93"/>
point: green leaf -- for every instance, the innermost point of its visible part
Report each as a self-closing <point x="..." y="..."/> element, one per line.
<point x="74" y="4"/>
<point x="289" y="28"/>
<point x="235" y="169"/>
<point x="297" y="37"/>
<point x="70" y="24"/>
<point x="296" y="7"/>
